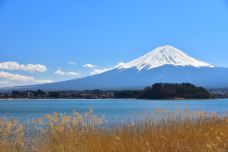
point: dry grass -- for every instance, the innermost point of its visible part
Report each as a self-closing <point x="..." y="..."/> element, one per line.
<point x="180" y="132"/>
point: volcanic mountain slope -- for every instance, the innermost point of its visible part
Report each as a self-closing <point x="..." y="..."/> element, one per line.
<point x="164" y="64"/>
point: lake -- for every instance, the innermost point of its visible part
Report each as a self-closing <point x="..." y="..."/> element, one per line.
<point x="114" y="110"/>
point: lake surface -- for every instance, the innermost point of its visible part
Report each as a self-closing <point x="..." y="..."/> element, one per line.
<point x="114" y="111"/>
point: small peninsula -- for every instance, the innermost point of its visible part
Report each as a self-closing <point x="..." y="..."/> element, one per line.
<point x="174" y="91"/>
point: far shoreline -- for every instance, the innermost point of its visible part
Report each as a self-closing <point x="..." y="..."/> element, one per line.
<point x="136" y="99"/>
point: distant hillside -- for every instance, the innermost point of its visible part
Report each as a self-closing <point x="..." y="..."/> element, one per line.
<point x="173" y="91"/>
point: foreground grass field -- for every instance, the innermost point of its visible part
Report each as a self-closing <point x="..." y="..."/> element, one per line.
<point x="179" y="132"/>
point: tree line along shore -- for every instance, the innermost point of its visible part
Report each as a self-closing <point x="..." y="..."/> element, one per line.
<point x="156" y="91"/>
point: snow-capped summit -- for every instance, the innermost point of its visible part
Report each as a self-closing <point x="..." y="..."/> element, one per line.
<point x="164" y="55"/>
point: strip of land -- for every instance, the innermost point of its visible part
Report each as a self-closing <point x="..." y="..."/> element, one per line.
<point x="156" y="91"/>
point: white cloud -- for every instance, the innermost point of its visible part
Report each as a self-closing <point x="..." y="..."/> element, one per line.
<point x="72" y="73"/>
<point x="16" y="66"/>
<point x="99" y="71"/>
<point x="15" y="77"/>
<point x="63" y="73"/>
<point x="59" y="72"/>
<point x="95" y="69"/>
<point x="71" y="62"/>
<point x="89" y="66"/>
<point x="21" y="78"/>
<point x="120" y="64"/>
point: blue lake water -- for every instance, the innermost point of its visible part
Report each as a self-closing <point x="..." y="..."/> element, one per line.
<point x="113" y="110"/>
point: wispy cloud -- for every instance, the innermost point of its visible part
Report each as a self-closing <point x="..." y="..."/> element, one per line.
<point x="120" y="64"/>
<point x="71" y="62"/>
<point x="11" y="65"/>
<point x="89" y="66"/>
<point x="95" y="69"/>
<point x="99" y="71"/>
<point x="69" y="73"/>
<point x="21" y="78"/>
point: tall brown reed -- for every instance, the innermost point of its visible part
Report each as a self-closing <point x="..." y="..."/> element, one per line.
<point x="182" y="131"/>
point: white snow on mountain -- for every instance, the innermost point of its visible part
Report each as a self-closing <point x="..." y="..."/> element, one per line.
<point x="164" y="55"/>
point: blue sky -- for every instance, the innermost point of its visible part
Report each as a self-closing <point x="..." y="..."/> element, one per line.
<point x="56" y="38"/>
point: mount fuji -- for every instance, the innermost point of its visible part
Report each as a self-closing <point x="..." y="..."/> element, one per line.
<point x="164" y="64"/>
